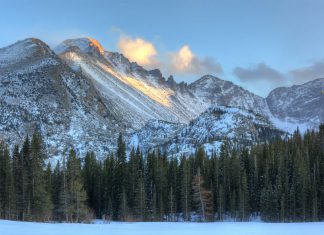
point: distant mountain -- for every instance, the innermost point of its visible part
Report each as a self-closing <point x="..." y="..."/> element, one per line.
<point x="82" y="95"/>
<point x="237" y="127"/>
<point x="300" y="104"/>
<point x="215" y="91"/>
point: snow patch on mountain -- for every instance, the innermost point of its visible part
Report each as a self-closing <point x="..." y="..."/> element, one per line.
<point x="216" y="125"/>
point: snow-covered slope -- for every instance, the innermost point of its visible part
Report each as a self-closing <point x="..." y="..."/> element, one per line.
<point x="83" y="96"/>
<point x="37" y="90"/>
<point x="214" y="91"/>
<point x="238" y="127"/>
<point x="140" y="95"/>
<point x="299" y="105"/>
<point x="135" y="94"/>
<point x="153" y="134"/>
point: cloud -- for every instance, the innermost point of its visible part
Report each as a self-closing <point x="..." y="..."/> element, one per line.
<point x="307" y="73"/>
<point x="259" y="72"/>
<point x="181" y="62"/>
<point x="185" y="61"/>
<point x="138" y="50"/>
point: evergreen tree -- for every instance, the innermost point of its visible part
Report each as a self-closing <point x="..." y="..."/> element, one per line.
<point x="202" y="197"/>
<point x="17" y="172"/>
<point x="40" y="201"/>
<point x="25" y="182"/>
<point x="6" y="184"/>
<point x="185" y="177"/>
<point x="92" y="182"/>
<point x="120" y="181"/>
<point x="76" y="195"/>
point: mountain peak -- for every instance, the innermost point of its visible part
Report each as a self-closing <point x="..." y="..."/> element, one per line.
<point x="97" y="45"/>
<point x="207" y="79"/>
<point x="24" y="50"/>
<point x="86" y="44"/>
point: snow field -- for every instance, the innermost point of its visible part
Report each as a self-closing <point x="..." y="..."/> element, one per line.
<point x="159" y="228"/>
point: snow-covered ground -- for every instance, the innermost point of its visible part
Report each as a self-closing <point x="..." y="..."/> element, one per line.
<point x="219" y="228"/>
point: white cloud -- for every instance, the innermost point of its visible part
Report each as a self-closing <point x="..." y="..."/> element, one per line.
<point x="185" y="61"/>
<point x="138" y="50"/>
<point x="181" y="62"/>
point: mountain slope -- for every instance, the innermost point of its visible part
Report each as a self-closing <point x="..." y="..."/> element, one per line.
<point x="216" y="125"/>
<point x="300" y="104"/>
<point x="139" y="95"/>
<point x="136" y="95"/>
<point x="83" y="96"/>
<point x="214" y="91"/>
<point x="38" y="90"/>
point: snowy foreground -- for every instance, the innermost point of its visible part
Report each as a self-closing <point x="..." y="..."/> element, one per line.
<point x="230" y="228"/>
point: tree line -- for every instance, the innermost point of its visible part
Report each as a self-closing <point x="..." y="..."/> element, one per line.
<point x="281" y="181"/>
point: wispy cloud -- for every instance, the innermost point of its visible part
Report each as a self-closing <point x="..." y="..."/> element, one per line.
<point x="260" y="78"/>
<point x="307" y="73"/>
<point x="259" y="72"/>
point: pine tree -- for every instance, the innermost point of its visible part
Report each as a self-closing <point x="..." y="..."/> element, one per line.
<point x="120" y="181"/>
<point x="25" y="182"/>
<point x="244" y="197"/>
<point x="6" y="184"/>
<point x="57" y="187"/>
<point x="40" y="201"/>
<point x="202" y="197"/>
<point x="108" y="186"/>
<point x="224" y="185"/>
<point x="17" y="171"/>
<point x="185" y="177"/>
<point x="76" y="195"/>
<point x="92" y="180"/>
<point x="136" y="184"/>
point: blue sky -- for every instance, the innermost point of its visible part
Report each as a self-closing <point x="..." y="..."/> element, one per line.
<point x="256" y="44"/>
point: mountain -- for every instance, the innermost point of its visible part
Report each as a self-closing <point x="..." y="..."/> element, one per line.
<point x="214" y="91"/>
<point x="38" y="90"/>
<point x="139" y="95"/>
<point x="236" y="126"/>
<point x="299" y="104"/>
<point x="135" y="94"/>
<point x="81" y="95"/>
<point x="155" y="133"/>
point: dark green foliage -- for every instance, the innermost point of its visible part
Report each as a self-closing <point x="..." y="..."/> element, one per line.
<point x="282" y="181"/>
<point x="74" y="196"/>
<point x="6" y="184"/>
<point x="39" y="198"/>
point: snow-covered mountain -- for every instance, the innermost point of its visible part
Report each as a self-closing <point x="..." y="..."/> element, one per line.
<point x="38" y="90"/>
<point x="238" y="127"/>
<point x="302" y="105"/>
<point x="140" y="95"/>
<point x="134" y="94"/>
<point x="82" y="95"/>
<point x="214" y="91"/>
